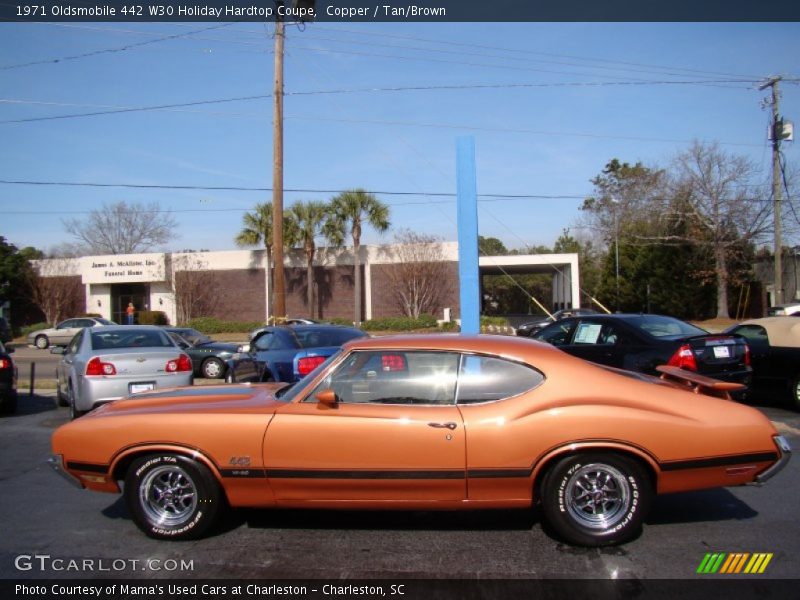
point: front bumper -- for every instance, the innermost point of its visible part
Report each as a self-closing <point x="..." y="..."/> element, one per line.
<point x="56" y="462"/>
<point x="785" y="452"/>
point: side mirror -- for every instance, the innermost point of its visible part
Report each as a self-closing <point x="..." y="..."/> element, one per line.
<point x="58" y="350"/>
<point x="327" y="397"/>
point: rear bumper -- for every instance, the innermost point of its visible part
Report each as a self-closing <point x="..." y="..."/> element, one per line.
<point x="99" y="390"/>
<point x="785" y="452"/>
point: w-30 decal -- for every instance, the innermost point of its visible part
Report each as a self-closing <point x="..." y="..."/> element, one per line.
<point x="734" y="563"/>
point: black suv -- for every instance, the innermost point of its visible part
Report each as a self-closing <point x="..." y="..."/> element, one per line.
<point x="8" y="381"/>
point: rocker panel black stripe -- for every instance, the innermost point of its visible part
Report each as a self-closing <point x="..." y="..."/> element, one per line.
<point x="87" y="467"/>
<point x="721" y="461"/>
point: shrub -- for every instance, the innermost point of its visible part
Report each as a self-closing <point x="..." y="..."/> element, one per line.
<point x="34" y="327"/>
<point x="152" y="317"/>
<point x="450" y="326"/>
<point x="211" y="325"/>
<point x="496" y="321"/>
<point x="341" y="321"/>
<point x="93" y="315"/>
<point x="399" y="323"/>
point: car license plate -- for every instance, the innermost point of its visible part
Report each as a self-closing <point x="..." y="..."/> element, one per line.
<point x="722" y="352"/>
<point x="135" y="388"/>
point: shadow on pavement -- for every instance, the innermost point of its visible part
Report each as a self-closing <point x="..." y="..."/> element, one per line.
<point x="31" y="405"/>
<point x="694" y="507"/>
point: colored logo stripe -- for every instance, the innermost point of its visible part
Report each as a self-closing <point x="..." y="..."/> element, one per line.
<point x="733" y="563"/>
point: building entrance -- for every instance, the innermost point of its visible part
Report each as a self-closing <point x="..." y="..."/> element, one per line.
<point x="122" y="294"/>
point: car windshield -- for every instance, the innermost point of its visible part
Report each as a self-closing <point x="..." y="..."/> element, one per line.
<point x="665" y="327"/>
<point x="319" y="338"/>
<point x="103" y="340"/>
<point x="290" y="392"/>
<point x="193" y="336"/>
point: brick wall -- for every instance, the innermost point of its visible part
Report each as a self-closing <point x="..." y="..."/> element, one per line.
<point x="384" y="297"/>
<point x="239" y="295"/>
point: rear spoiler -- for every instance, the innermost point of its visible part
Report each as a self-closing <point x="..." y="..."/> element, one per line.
<point x="699" y="384"/>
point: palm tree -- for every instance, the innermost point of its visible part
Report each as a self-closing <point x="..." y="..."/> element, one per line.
<point x="257" y="229"/>
<point x="310" y="220"/>
<point x="351" y="210"/>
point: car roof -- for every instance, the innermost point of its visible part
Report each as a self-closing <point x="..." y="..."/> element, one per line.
<point x="782" y="331"/>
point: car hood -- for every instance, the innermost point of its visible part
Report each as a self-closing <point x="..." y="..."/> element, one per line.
<point x="223" y="399"/>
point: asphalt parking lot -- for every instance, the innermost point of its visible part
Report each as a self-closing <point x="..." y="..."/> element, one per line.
<point x="43" y="515"/>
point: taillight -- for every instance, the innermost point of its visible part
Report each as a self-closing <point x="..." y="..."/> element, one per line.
<point x="683" y="358"/>
<point x="747" y="355"/>
<point x="176" y="365"/>
<point x="308" y="363"/>
<point x="5" y="363"/>
<point x="393" y="362"/>
<point x="97" y="367"/>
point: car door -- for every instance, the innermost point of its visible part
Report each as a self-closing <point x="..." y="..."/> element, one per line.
<point x="600" y="342"/>
<point x="276" y="350"/>
<point x="393" y="434"/>
<point x="65" y="371"/>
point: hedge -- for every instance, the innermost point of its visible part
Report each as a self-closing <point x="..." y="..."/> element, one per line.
<point x="152" y="317"/>
<point x="211" y="325"/>
<point x="35" y="327"/>
<point x="399" y="323"/>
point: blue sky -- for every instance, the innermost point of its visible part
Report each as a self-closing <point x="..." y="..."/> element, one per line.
<point x="589" y="95"/>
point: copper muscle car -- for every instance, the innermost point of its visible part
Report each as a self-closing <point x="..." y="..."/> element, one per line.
<point x="423" y="423"/>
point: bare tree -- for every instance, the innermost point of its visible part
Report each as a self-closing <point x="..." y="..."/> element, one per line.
<point x="123" y="228"/>
<point x="716" y="192"/>
<point x="56" y="290"/>
<point x="194" y="288"/>
<point x="417" y="279"/>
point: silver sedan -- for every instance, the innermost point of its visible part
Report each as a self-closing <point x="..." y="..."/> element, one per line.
<point x="61" y="334"/>
<point x="110" y="363"/>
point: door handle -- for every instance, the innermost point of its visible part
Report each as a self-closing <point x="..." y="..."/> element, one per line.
<point x="449" y="426"/>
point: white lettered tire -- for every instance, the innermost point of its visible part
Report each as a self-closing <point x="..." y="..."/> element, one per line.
<point x="172" y="497"/>
<point x="596" y="499"/>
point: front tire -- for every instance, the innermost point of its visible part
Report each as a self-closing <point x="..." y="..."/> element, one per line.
<point x="794" y="395"/>
<point x="596" y="499"/>
<point x="172" y="497"/>
<point x="42" y="342"/>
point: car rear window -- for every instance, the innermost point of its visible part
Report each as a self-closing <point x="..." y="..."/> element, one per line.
<point x="326" y="337"/>
<point x="665" y="327"/>
<point x="103" y="340"/>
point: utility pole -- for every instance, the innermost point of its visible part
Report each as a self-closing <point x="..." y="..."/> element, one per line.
<point x="777" y="133"/>
<point x="279" y="283"/>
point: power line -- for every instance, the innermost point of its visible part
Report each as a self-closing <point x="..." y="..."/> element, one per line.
<point x="269" y="189"/>
<point x="417" y="88"/>
<point x="112" y="50"/>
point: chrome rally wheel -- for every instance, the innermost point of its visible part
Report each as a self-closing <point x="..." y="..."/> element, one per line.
<point x="596" y="499"/>
<point x="171" y="496"/>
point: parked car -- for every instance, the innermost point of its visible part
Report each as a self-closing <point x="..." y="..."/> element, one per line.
<point x="210" y="358"/>
<point x="288" y="321"/>
<point x="8" y="381"/>
<point x="287" y="353"/>
<point x="426" y="422"/>
<point x="62" y="334"/>
<point x="108" y="363"/>
<point x="531" y="327"/>
<point x="784" y="310"/>
<point x="5" y="331"/>
<point x="643" y="342"/>
<point x="775" y="353"/>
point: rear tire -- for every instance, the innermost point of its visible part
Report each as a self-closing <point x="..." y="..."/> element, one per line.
<point x="212" y="368"/>
<point x="74" y="413"/>
<point x="596" y="499"/>
<point x="42" y="342"/>
<point x="172" y="497"/>
<point x="8" y="406"/>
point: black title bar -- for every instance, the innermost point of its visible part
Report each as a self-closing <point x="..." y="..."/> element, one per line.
<point x="400" y="10"/>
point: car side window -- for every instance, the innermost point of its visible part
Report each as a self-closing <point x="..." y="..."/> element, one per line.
<point x="84" y="323"/>
<point x="597" y="334"/>
<point x="394" y="377"/>
<point x="75" y="343"/>
<point x="557" y="334"/>
<point x="263" y="341"/>
<point x="487" y="379"/>
<point x="69" y="323"/>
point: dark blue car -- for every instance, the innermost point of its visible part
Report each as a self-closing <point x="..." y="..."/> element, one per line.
<point x="283" y="353"/>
